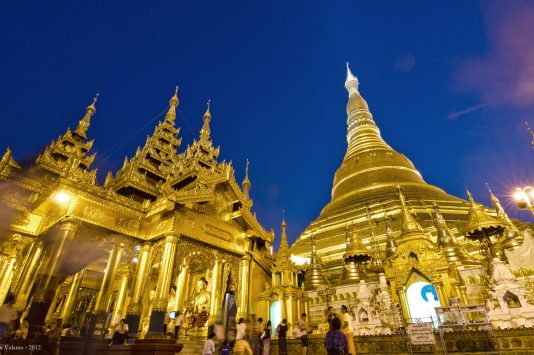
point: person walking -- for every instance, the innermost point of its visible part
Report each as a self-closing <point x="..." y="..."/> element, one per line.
<point x="335" y="341"/>
<point x="302" y="326"/>
<point x="346" y="328"/>
<point x="241" y="329"/>
<point x="266" y="338"/>
<point x="257" y="344"/>
<point x="281" y="330"/>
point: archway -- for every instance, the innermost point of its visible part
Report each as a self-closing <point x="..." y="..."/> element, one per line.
<point x="275" y="314"/>
<point x="422" y="298"/>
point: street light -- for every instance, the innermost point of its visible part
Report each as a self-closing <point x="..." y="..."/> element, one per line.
<point x="524" y="197"/>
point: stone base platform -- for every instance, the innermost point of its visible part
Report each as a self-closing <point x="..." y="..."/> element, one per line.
<point x="75" y="345"/>
<point x="514" y="341"/>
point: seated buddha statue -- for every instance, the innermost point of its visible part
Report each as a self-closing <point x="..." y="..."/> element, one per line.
<point x="198" y="304"/>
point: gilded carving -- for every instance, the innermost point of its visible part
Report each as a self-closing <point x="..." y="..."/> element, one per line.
<point x="93" y="212"/>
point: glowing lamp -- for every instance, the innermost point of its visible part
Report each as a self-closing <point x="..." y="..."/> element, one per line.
<point x="61" y="197"/>
<point x="135" y="260"/>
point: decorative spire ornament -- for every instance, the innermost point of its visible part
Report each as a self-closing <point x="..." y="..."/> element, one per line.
<point x="85" y="122"/>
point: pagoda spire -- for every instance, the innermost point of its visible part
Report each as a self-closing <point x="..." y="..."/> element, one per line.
<point x="481" y="225"/>
<point x="173" y="104"/>
<point x="284" y="245"/>
<point x="363" y="133"/>
<point x="85" y="122"/>
<point x="246" y="182"/>
<point x="454" y="252"/>
<point x="412" y="234"/>
<point x="349" y="273"/>
<point x="314" y="275"/>
<point x="501" y="213"/>
<point x="368" y="156"/>
<point x="512" y="232"/>
<point x="205" y="131"/>
<point x="409" y="224"/>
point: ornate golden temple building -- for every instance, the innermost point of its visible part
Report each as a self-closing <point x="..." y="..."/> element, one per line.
<point x="168" y="232"/>
<point x="174" y="232"/>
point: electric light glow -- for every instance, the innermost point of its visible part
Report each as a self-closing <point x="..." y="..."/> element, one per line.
<point x="61" y="197"/>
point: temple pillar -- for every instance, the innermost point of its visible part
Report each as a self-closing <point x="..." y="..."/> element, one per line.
<point x="7" y="276"/>
<point x="289" y="306"/>
<point x="118" y="310"/>
<point x="70" y="301"/>
<point x="103" y="299"/>
<point x="133" y="314"/>
<point x="243" y="287"/>
<point x="181" y="288"/>
<point x="49" y="279"/>
<point x="404" y="304"/>
<point x="215" y="290"/>
<point x="159" y="307"/>
<point x="28" y="274"/>
<point x="443" y="300"/>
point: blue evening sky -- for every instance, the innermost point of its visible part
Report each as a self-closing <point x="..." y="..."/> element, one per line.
<point x="450" y="84"/>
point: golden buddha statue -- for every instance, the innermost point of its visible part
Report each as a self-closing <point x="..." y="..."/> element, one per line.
<point x="197" y="310"/>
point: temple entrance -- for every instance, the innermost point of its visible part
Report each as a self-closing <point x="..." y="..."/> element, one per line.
<point x="422" y="299"/>
<point x="275" y="315"/>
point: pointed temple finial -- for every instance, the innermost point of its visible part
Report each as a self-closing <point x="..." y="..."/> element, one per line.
<point x="92" y="105"/>
<point x="454" y="252"/>
<point x="512" y="230"/>
<point x="409" y="224"/>
<point x="470" y="196"/>
<point x="205" y="131"/>
<point x="351" y="83"/>
<point x="85" y="122"/>
<point x="481" y="225"/>
<point x="207" y="114"/>
<point x="173" y="103"/>
<point x="246" y="182"/>
<point x="284" y="245"/>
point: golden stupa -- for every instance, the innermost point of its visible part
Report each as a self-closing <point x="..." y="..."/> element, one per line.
<point x="392" y="209"/>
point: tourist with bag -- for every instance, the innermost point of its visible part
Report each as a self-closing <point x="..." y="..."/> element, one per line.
<point x="281" y="330"/>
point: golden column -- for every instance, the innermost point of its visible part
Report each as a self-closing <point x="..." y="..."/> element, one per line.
<point x="215" y="290"/>
<point x="159" y="307"/>
<point x="404" y="304"/>
<point x="181" y="288"/>
<point x="7" y="275"/>
<point x="70" y="301"/>
<point x="118" y="310"/>
<point x="443" y="299"/>
<point x="133" y="314"/>
<point x="243" y="287"/>
<point x="104" y="295"/>
<point x="28" y="274"/>
<point x="50" y="275"/>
